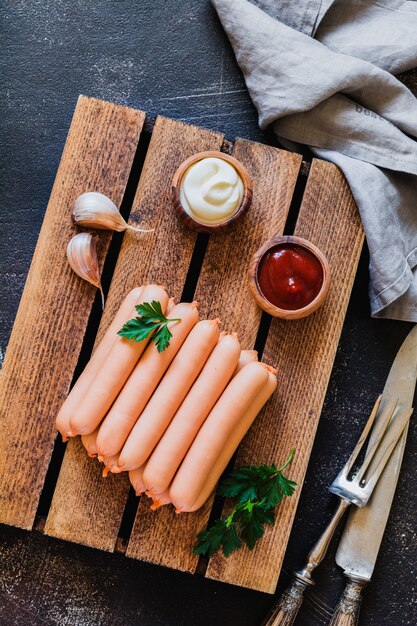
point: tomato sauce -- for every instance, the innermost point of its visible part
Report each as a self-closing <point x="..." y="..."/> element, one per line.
<point x="290" y="276"/>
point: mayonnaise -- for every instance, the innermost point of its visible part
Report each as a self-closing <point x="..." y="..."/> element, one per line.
<point x="211" y="190"/>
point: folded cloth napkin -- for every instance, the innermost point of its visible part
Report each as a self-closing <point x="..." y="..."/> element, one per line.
<point x="320" y="72"/>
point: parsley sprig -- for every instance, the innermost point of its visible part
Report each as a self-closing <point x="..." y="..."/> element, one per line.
<point x="150" y="319"/>
<point x="258" y="490"/>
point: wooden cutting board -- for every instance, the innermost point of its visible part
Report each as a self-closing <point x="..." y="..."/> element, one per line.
<point x="107" y="150"/>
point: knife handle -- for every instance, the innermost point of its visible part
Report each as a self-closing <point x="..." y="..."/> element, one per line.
<point x="286" y="609"/>
<point x="347" y="609"/>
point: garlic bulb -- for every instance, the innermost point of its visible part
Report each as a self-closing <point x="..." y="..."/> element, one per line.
<point x="82" y="257"/>
<point x="95" y="210"/>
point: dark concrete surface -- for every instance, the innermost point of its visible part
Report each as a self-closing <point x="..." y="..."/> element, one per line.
<point x="168" y="57"/>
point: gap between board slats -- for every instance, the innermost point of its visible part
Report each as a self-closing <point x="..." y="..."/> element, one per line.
<point x="93" y="324"/>
<point x="54" y="309"/>
<point x="86" y="508"/>
<point x="163" y="537"/>
<point x="303" y="351"/>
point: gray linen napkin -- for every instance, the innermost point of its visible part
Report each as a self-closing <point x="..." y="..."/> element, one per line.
<point x="320" y="71"/>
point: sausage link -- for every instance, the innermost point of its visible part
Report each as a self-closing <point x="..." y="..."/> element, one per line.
<point x="246" y="356"/>
<point x="113" y="373"/>
<point x="169" y="395"/>
<point x="212" y="438"/>
<point x="90" y="443"/>
<point x="181" y="432"/>
<point x="233" y="442"/>
<point x="136" y="480"/>
<point x="142" y="382"/>
<point x="97" y="359"/>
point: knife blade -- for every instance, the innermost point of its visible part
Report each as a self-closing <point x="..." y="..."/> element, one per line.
<point x="362" y="536"/>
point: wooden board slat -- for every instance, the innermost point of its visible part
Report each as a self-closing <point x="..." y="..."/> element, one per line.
<point x="163" y="537"/>
<point x="87" y="508"/>
<point x="53" y="313"/>
<point x="303" y="351"/>
<point x="42" y="355"/>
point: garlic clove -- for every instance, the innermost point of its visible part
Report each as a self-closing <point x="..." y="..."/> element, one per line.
<point x="95" y="210"/>
<point x="82" y="257"/>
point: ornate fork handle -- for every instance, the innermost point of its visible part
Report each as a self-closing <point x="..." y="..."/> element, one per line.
<point x="285" y="612"/>
<point x="347" y="609"/>
<point x="356" y="490"/>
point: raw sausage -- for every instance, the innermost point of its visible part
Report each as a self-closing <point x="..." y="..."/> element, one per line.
<point x="135" y="477"/>
<point x="94" y="364"/>
<point x="213" y="436"/>
<point x="113" y="373"/>
<point x="172" y="448"/>
<point x="136" y="480"/>
<point x="159" y="500"/>
<point x="169" y="395"/>
<point x="109" y="462"/>
<point x="90" y="443"/>
<point x="232" y="444"/>
<point x="142" y="383"/>
<point x="246" y="356"/>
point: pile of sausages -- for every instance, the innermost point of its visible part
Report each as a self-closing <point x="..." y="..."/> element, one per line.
<point x="172" y="419"/>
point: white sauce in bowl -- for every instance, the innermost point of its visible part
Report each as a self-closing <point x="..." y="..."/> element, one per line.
<point x="211" y="190"/>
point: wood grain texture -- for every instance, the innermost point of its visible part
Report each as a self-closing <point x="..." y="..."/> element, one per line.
<point x="60" y="582"/>
<point x="303" y="351"/>
<point x="55" y="305"/>
<point x="161" y="257"/>
<point x="163" y="537"/>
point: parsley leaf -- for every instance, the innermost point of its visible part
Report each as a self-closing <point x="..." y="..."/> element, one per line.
<point x="287" y="486"/>
<point x="253" y="528"/>
<point x="231" y="540"/>
<point x="240" y="485"/>
<point x="258" y="490"/>
<point x="150" y="320"/>
<point x="138" y="329"/>
<point x="162" y="337"/>
<point x="211" y="540"/>
<point x="150" y="309"/>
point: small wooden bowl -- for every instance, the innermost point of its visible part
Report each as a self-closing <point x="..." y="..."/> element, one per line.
<point x="201" y="226"/>
<point x="256" y="291"/>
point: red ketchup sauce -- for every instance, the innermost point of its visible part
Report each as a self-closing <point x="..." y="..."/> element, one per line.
<point x="290" y="276"/>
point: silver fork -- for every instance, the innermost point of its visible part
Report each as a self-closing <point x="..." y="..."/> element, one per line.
<point x="356" y="490"/>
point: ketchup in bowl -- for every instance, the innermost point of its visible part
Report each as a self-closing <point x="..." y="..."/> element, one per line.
<point x="290" y="276"/>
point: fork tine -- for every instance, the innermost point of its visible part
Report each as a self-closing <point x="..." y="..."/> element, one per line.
<point x="349" y="463"/>
<point x="370" y="455"/>
<point x="392" y="436"/>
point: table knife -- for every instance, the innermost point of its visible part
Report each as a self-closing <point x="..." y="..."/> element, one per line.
<point x="359" y="546"/>
<point x="365" y="527"/>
